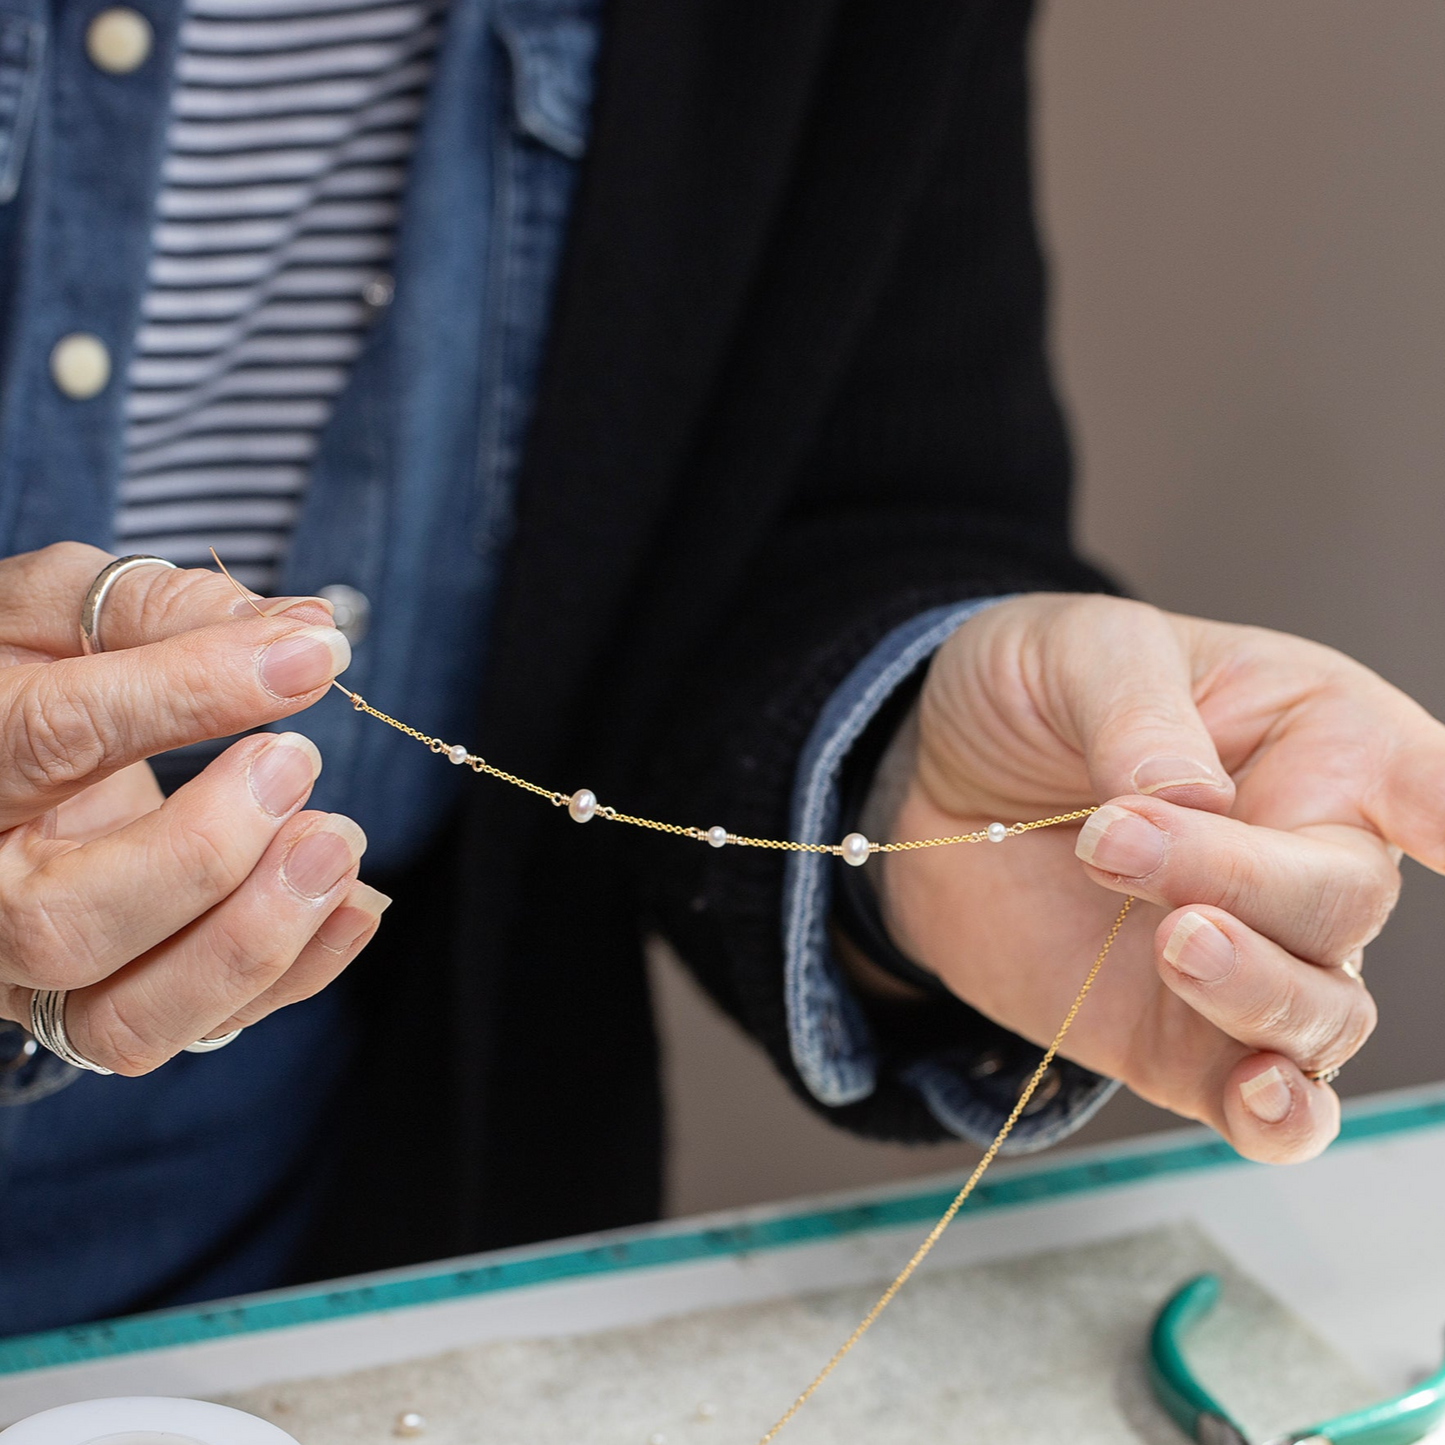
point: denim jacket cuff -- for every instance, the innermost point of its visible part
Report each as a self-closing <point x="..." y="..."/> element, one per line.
<point x="969" y="1084"/>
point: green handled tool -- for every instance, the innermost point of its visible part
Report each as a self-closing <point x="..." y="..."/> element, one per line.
<point x="1399" y="1421"/>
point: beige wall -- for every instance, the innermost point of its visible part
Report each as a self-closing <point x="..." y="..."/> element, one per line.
<point x="1245" y="204"/>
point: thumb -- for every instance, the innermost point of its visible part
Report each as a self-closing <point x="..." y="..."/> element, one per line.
<point x="1134" y="711"/>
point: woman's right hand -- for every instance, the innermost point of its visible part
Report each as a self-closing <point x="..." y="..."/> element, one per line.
<point x="168" y="920"/>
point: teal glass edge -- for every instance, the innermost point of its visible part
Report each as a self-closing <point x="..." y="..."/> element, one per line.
<point x="131" y="1334"/>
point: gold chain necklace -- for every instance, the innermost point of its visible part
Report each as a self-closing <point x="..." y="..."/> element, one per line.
<point x="855" y="849"/>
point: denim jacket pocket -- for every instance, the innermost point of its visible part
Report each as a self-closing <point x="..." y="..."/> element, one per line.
<point x="552" y="45"/>
<point x="22" y="46"/>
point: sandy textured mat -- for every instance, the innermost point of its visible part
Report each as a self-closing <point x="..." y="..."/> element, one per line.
<point x="1043" y="1350"/>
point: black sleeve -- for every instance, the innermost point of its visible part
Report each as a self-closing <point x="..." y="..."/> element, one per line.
<point x="940" y="474"/>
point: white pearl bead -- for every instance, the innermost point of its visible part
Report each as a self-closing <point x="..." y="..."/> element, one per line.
<point x="410" y="1422"/>
<point x="855" y="849"/>
<point x="582" y="805"/>
<point x="706" y="1410"/>
<point x="457" y="753"/>
<point x="997" y="832"/>
<point x="717" y="835"/>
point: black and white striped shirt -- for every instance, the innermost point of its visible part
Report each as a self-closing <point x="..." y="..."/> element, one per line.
<point x="291" y="126"/>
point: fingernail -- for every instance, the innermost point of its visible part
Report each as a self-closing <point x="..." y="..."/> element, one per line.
<point x="321" y="858"/>
<point x="1267" y="1096"/>
<point x="283" y="772"/>
<point x="1156" y="773"/>
<point x="272" y="606"/>
<point x="363" y="906"/>
<point x="1200" y="948"/>
<point x="303" y="661"/>
<point x="1122" y="842"/>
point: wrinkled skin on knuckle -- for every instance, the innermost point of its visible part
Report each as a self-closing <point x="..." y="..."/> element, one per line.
<point x="203" y="858"/>
<point x="53" y="740"/>
<point x="42" y="945"/>
<point x="249" y="964"/>
<point x="211" y="695"/>
<point x="1280" y="1018"/>
<point x="1235" y="881"/>
<point x="164" y="597"/>
<point x="107" y="1037"/>
<point x="1354" y="908"/>
<point x="1340" y="1040"/>
<point x="47" y="578"/>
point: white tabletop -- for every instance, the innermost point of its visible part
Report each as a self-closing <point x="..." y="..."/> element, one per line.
<point x="1352" y="1241"/>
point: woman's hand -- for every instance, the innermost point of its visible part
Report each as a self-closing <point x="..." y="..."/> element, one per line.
<point x="169" y="920"/>
<point x="1260" y="791"/>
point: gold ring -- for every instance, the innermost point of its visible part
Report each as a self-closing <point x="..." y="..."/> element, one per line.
<point x="1323" y="1076"/>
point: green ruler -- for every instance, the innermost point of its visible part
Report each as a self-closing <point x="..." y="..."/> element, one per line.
<point x="1370" y="1119"/>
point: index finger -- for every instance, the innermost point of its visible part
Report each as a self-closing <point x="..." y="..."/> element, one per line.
<point x="42" y="593"/>
<point x="69" y="723"/>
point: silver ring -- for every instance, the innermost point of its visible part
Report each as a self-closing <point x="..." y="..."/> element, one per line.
<point x="209" y="1046"/>
<point x="47" y="1023"/>
<point x="105" y="579"/>
<point x="1323" y="1076"/>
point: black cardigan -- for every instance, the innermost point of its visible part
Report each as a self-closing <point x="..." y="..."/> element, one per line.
<point x="795" y="391"/>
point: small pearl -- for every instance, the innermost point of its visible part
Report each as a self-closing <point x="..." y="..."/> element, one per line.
<point x="658" y="1439"/>
<point x="582" y="805"/>
<point x="717" y="835"/>
<point x="855" y="849"/>
<point x="997" y="832"/>
<point x="409" y="1422"/>
<point x="706" y="1410"/>
<point x="457" y="753"/>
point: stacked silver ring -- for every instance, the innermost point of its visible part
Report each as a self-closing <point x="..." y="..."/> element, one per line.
<point x="47" y="1023"/>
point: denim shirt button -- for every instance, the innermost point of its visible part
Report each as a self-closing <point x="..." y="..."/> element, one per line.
<point x="118" y="40"/>
<point x="80" y="365"/>
<point x="351" y="608"/>
<point x="379" y="292"/>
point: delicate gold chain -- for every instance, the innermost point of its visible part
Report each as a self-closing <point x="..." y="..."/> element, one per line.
<point x="457" y="753"/>
<point x="855" y="849"/>
<point x="583" y="805"/>
<point x="936" y="1233"/>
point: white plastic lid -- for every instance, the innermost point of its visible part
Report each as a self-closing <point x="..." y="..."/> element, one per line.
<point x="144" y="1420"/>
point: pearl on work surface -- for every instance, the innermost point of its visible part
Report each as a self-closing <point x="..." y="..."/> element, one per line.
<point x="706" y="1410"/>
<point x="457" y="753"/>
<point x="855" y="849"/>
<point x="582" y="805"/>
<point x="997" y="832"/>
<point x="717" y="835"/>
<point x="409" y="1422"/>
